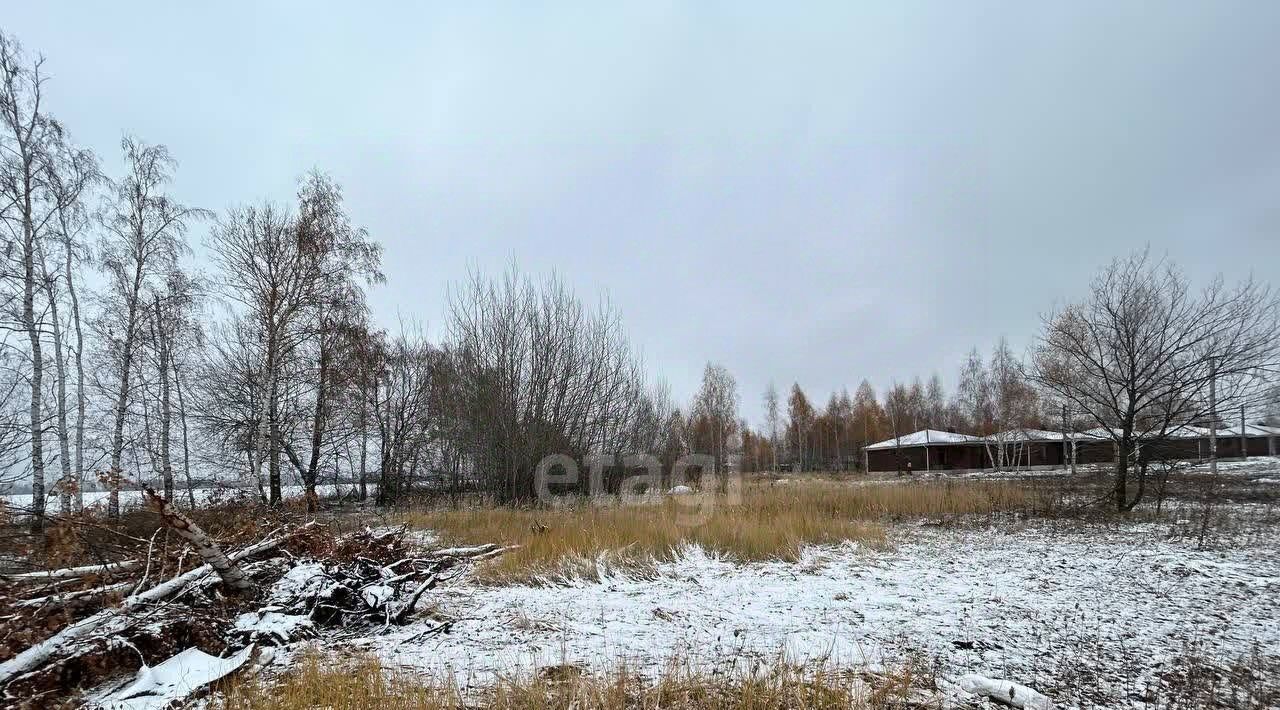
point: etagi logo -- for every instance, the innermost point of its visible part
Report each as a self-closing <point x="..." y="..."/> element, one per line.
<point x="693" y="503"/>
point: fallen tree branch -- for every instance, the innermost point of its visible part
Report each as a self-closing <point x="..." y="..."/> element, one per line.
<point x="464" y="551"/>
<point x="398" y="616"/>
<point x="72" y="597"/>
<point x="73" y="572"/>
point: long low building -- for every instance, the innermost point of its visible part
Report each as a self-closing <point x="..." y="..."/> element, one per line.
<point x="934" y="450"/>
<point x="927" y="449"/>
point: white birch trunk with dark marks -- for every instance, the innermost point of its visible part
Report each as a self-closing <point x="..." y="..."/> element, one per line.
<point x="228" y="570"/>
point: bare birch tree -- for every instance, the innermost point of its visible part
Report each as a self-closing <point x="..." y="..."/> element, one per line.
<point x="72" y="186"/>
<point x="36" y="163"/>
<point x="772" y="421"/>
<point x="715" y="410"/>
<point x="538" y="374"/>
<point x="290" y="275"/>
<point x="144" y="236"/>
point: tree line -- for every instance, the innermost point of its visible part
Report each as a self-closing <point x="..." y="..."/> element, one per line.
<point x="123" y="364"/>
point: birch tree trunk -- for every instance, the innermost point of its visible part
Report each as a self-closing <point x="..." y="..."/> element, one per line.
<point x="32" y="328"/>
<point x="79" y="352"/>
<point x="364" y="448"/>
<point x="186" y="447"/>
<point x="65" y="483"/>
<point x="317" y="424"/>
<point x="267" y="431"/>
<point x="162" y="343"/>
<point x="122" y="395"/>
<point x="230" y="571"/>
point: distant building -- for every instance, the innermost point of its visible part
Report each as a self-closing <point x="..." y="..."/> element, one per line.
<point x="933" y="450"/>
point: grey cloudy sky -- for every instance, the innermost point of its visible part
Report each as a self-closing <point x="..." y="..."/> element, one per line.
<point x="819" y="194"/>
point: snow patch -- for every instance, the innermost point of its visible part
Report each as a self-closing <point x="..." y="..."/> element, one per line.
<point x="157" y="687"/>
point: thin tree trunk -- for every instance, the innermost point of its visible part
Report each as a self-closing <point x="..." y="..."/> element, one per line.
<point x="268" y="432"/>
<point x="60" y="370"/>
<point x="273" y="471"/>
<point x="317" y="426"/>
<point x="80" y="393"/>
<point x="253" y="466"/>
<point x="364" y="448"/>
<point x="122" y="397"/>
<point x="1121" y="492"/>
<point x="37" y="363"/>
<point x="186" y="448"/>
<point x="166" y="463"/>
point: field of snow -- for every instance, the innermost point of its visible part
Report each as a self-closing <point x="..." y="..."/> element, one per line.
<point x="1089" y="615"/>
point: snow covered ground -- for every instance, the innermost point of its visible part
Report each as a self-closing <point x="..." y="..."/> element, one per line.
<point x="1087" y="614"/>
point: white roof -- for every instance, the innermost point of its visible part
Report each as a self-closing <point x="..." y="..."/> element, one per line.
<point x="1250" y="430"/>
<point x="1029" y="435"/>
<point x="1188" y="431"/>
<point x="925" y="437"/>
<point x="933" y="437"/>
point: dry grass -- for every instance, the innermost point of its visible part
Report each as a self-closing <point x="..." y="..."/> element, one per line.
<point x="317" y="683"/>
<point x="768" y="522"/>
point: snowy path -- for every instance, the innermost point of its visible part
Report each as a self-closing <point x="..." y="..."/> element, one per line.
<point x="1049" y="608"/>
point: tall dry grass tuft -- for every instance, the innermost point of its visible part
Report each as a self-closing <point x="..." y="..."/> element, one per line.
<point x="316" y="683"/>
<point x="585" y="540"/>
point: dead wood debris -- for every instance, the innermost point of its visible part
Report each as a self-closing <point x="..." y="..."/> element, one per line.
<point x="288" y="587"/>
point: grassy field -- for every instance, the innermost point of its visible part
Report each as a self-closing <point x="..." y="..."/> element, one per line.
<point x="768" y="521"/>
<point x="317" y="682"/>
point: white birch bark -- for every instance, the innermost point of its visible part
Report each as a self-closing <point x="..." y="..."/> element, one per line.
<point x="230" y="572"/>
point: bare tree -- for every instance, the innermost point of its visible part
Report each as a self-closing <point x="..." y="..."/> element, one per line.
<point x="937" y="415"/>
<point x="73" y="219"/>
<point x="343" y="258"/>
<point x="227" y="396"/>
<point x="715" y="412"/>
<point x="538" y="374"/>
<point x="800" y="419"/>
<point x="898" y="412"/>
<point x="37" y="164"/>
<point x="170" y="322"/>
<point x="998" y="402"/>
<point x="771" y="418"/>
<point x="402" y="409"/>
<point x="867" y="418"/>
<point x="144" y="236"/>
<point x="1271" y="407"/>
<point x="289" y="274"/>
<point x="1139" y="355"/>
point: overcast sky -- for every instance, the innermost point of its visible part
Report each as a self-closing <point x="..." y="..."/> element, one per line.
<point x="818" y="196"/>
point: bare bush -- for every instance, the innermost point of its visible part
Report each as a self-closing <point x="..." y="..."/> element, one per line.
<point x="538" y="374"/>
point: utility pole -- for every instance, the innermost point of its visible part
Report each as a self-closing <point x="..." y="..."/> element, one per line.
<point x="1067" y="437"/>
<point x="926" y="447"/>
<point x="1213" y="416"/>
<point x="1244" y="442"/>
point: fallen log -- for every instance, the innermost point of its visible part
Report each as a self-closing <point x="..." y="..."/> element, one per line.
<point x="73" y="572"/>
<point x="1005" y="692"/>
<point x="40" y="653"/>
<point x="464" y="551"/>
<point x="232" y="576"/>
<point x="71" y="597"/>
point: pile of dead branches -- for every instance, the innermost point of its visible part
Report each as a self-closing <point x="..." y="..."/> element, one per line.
<point x="97" y="621"/>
